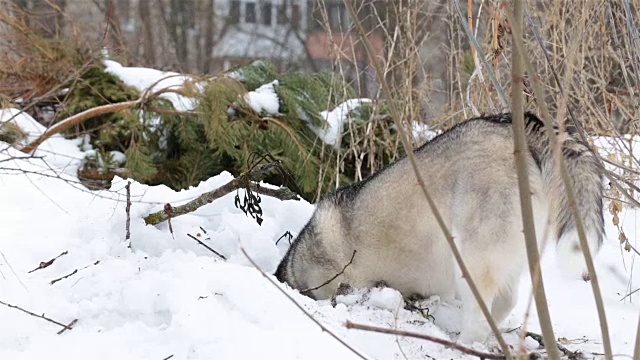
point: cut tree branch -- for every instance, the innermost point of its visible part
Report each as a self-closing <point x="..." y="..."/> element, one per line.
<point x="238" y="183"/>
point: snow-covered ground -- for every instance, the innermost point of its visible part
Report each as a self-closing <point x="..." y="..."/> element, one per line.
<point x="168" y="297"/>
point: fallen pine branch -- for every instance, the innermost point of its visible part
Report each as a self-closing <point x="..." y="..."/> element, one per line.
<point x="46" y="264"/>
<point x="451" y="344"/>
<point x="64" y="327"/>
<point x="282" y="193"/>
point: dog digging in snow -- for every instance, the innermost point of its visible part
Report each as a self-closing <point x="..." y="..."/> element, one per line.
<point x="470" y="173"/>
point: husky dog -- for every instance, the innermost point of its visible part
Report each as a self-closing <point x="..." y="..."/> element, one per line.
<point x="470" y="172"/>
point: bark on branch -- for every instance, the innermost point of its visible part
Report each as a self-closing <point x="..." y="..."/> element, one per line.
<point x="282" y="193"/>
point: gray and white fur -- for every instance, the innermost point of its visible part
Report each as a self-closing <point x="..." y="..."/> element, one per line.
<point x="471" y="175"/>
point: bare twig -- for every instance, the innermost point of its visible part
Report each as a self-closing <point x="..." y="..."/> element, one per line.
<point x="581" y="132"/>
<point x="69" y="326"/>
<point x="636" y="351"/>
<point x="168" y="211"/>
<point x="448" y="343"/>
<point x="305" y="312"/>
<point x="73" y="273"/>
<point x="630" y="293"/>
<point x="46" y="264"/>
<point x="207" y="246"/>
<point x="65" y="327"/>
<point x="571" y="196"/>
<point x="127" y="236"/>
<point x="288" y="235"/>
<point x="6" y="261"/>
<point x="283" y="194"/>
<point x="526" y="203"/>
<point x="73" y="77"/>
<point x="470" y="21"/>
<point x="485" y="64"/>
<point x="334" y="277"/>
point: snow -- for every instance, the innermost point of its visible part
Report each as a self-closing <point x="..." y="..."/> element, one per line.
<point x="331" y="132"/>
<point x="56" y="152"/>
<point x="264" y="99"/>
<point x="152" y="80"/>
<point x="117" y="157"/>
<point x="422" y="132"/>
<point x="168" y="296"/>
<point x="385" y="298"/>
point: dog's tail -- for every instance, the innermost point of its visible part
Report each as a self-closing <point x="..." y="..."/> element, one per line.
<point x="586" y="181"/>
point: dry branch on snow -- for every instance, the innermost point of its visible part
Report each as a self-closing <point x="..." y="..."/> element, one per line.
<point x="238" y="183"/>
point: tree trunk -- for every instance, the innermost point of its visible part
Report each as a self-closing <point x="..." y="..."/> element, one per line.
<point x="176" y="23"/>
<point x="148" y="39"/>
<point x="48" y="17"/>
<point x="209" y="34"/>
<point x="113" y="20"/>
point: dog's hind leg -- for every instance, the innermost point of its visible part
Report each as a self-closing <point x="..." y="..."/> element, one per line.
<point x="474" y="324"/>
<point x="504" y="302"/>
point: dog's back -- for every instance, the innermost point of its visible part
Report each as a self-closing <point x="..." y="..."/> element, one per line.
<point x="470" y="173"/>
